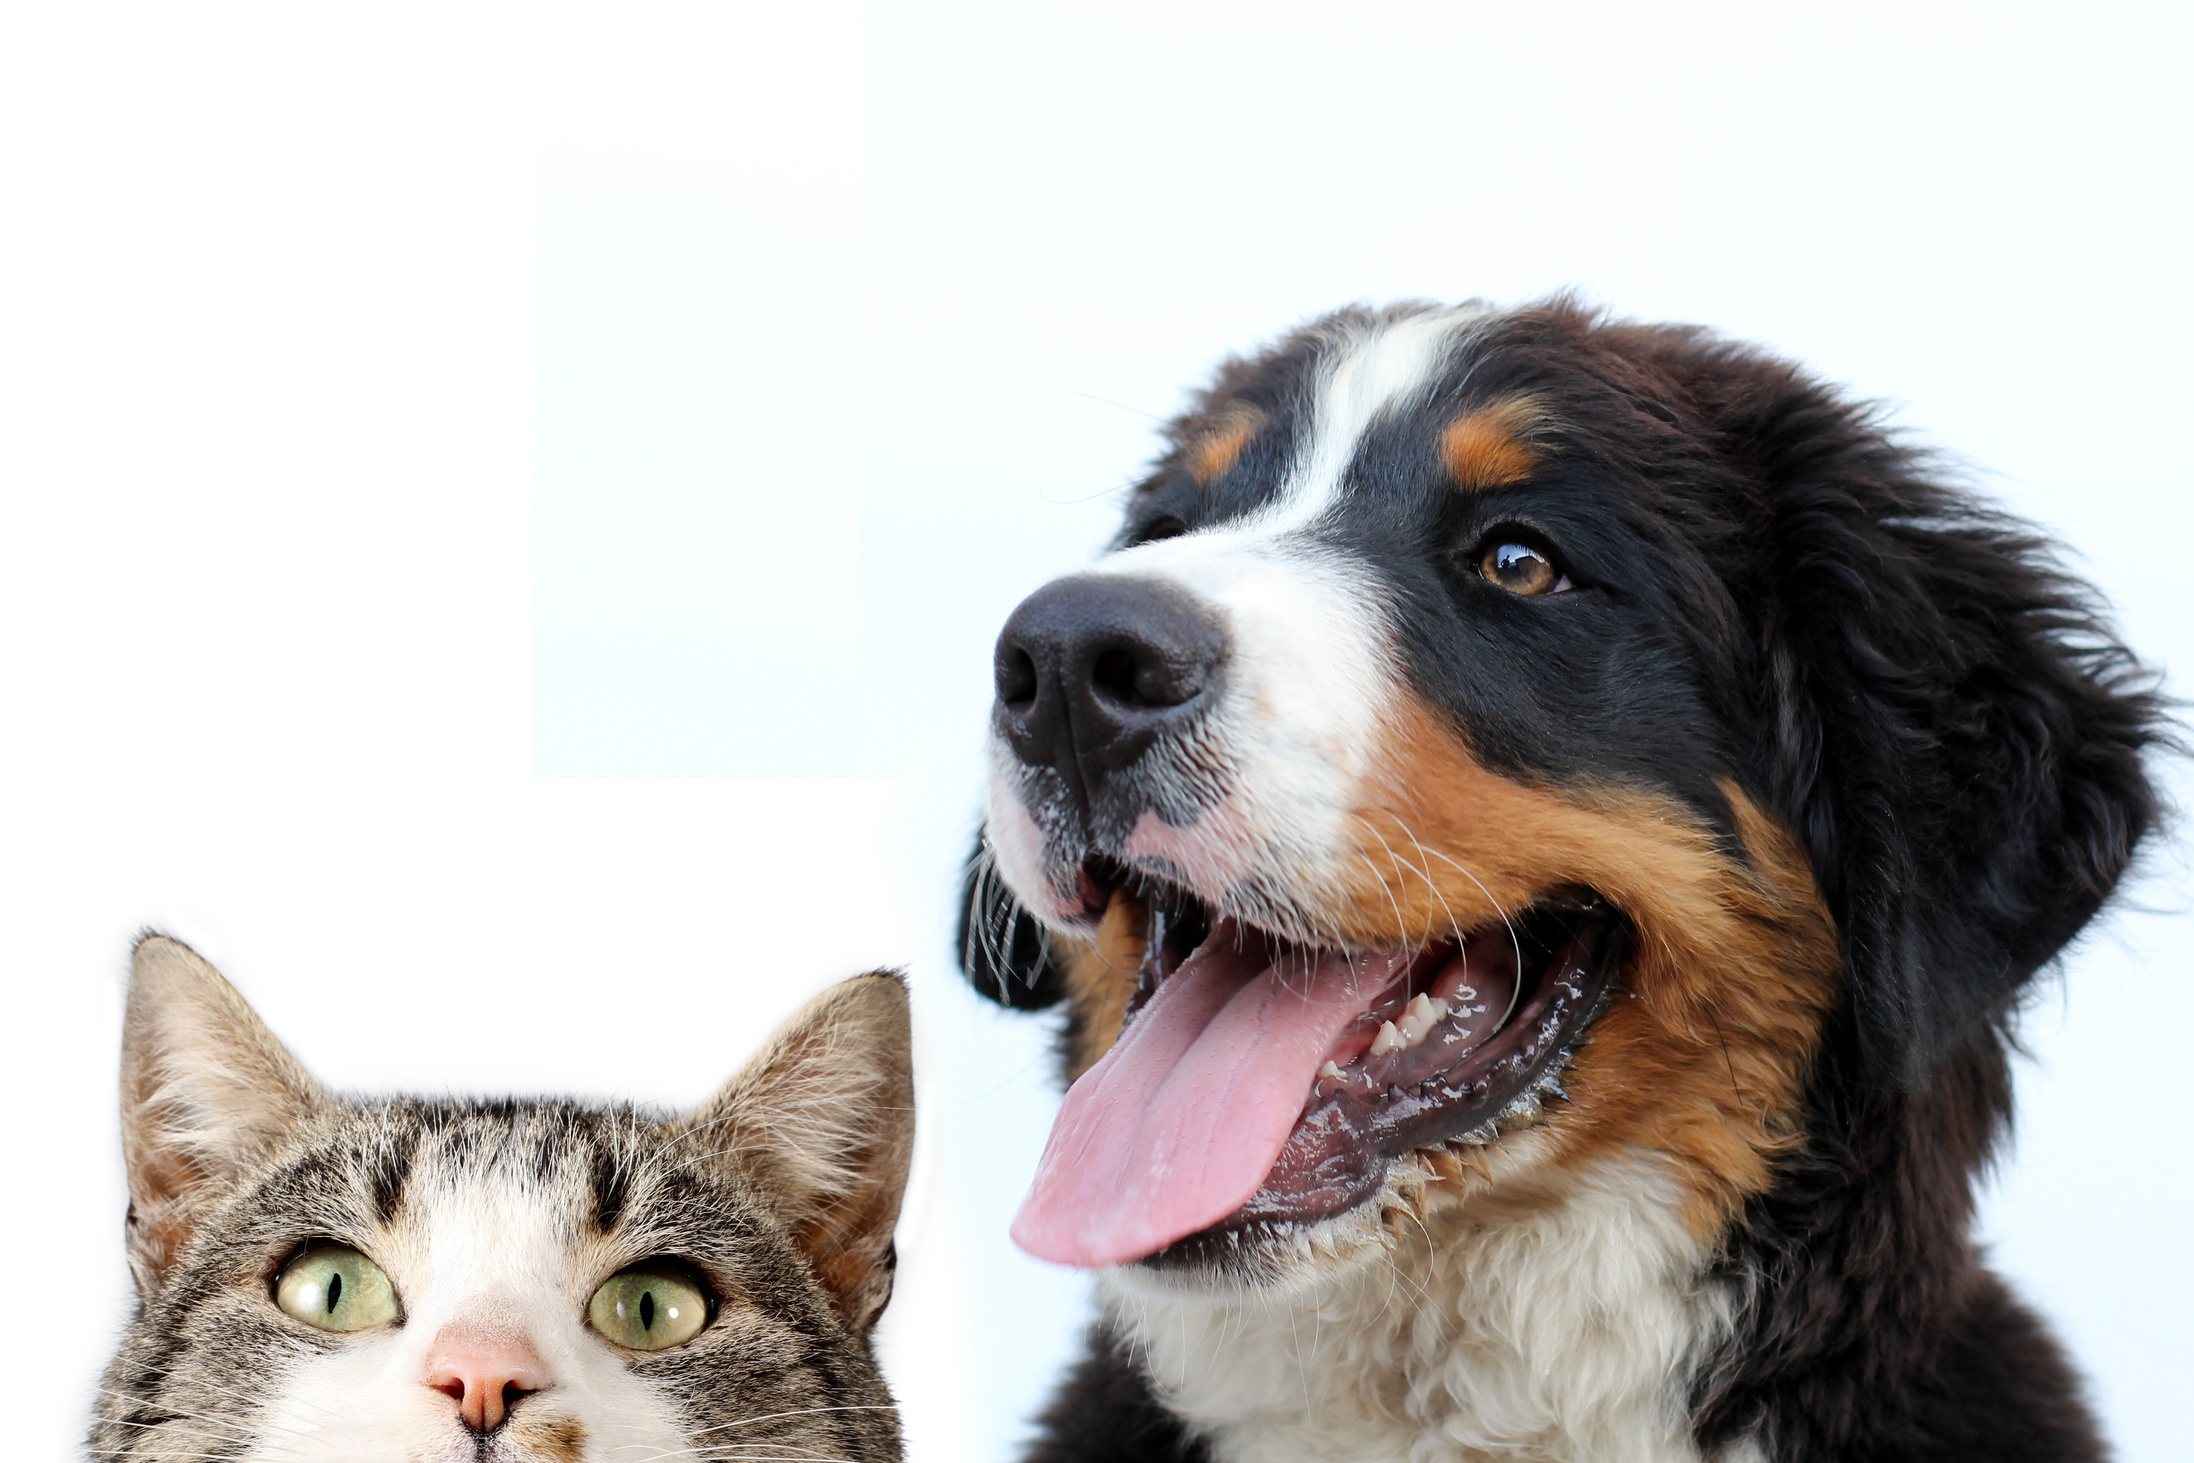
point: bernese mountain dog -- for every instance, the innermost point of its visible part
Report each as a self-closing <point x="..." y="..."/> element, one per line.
<point x="1541" y="826"/>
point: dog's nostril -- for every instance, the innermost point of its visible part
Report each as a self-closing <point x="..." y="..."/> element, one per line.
<point x="1114" y="676"/>
<point x="1162" y="683"/>
<point x="1137" y="676"/>
<point x="1015" y="673"/>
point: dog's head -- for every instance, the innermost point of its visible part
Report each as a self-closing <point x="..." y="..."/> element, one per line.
<point x="1500" y="738"/>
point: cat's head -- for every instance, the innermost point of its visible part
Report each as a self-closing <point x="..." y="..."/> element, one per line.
<point x="329" y="1278"/>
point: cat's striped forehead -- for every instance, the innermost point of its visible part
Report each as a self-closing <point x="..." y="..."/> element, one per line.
<point x="548" y="1191"/>
<point x="586" y="1165"/>
<point x="503" y="1215"/>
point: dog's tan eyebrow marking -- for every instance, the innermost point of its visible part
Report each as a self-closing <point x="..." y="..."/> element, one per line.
<point x="1216" y="447"/>
<point x="1494" y="446"/>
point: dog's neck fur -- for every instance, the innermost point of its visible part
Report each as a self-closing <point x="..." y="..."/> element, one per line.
<point x="1566" y="1331"/>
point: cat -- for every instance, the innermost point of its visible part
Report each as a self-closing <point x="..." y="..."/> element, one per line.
<point x="503" y="1281"/>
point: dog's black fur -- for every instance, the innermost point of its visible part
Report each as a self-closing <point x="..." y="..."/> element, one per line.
<point x="1957" y="739"/>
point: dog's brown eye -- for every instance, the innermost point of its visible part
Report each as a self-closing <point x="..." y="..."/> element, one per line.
<point x="1521" y="569"/>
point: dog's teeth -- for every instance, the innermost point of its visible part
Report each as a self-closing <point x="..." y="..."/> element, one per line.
<point x="1332" y="1071"/>
<point x="1388" y="1040"/>
<point x="1420" y="1016"/>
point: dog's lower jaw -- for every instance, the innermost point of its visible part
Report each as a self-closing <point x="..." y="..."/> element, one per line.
<point x="1561" y="1329"/>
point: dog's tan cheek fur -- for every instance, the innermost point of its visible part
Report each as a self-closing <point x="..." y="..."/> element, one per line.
<point x="1101" y="974"/>
<point x="1733" y="966"/>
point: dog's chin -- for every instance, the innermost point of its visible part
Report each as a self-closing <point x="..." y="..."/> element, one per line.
<point x="1447" y="1068"/>
<point x="1274" y="1259"/>
<point x="1423" y="1194"/>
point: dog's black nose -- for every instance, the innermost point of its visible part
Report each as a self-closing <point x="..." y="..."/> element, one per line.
<point x="1090" y="670"/>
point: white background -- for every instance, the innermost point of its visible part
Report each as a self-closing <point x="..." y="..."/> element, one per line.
<point x="503" y="511"/>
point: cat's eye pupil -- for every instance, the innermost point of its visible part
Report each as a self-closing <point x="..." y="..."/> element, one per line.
<point x="650" y="1306"/>
<point x="336" y="1288"/>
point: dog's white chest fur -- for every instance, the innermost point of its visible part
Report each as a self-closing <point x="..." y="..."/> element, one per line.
<point x="1564" y="1333"/>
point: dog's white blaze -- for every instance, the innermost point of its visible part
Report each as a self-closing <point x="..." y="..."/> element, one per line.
<point x="1308" y="680"/>
<point x="1568" y="1331"/>
<point x="499" y="1258"/>
<point x="1366" y="375"/>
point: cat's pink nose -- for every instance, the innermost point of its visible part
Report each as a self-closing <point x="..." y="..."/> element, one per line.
<point x="484" y="1372"/>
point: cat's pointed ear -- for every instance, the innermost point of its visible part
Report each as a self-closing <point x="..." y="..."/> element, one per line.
<point x="823" y="1119"/>
<point x="207" y="1092"/>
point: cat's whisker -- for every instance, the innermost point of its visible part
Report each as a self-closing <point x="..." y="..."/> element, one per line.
<point x="786" y="1451"/>
<point x="226" y="1427"/>
<point x="239" y="1436"/>
<point x="258" y="1400"/>
<point x="758" y="1449"/>
<point x="244" y="1427"/>
<point x="797" y="1412"/>
<point x="730" y="1152"/>
<point x="166" y="1407"/>
<point x="685" y="1133"/>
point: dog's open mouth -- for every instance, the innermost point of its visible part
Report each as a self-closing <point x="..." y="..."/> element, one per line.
<point x="1259" y="1083"/>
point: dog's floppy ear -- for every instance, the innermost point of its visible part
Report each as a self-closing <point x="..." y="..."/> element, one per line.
<point x="1003" y="949"/>
<point x="1948" y="721"/>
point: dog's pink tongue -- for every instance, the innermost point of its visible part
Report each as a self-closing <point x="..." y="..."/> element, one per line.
<point x="1180" y="1122"/>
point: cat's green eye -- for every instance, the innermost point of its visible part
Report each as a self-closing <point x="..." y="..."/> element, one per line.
<point x="648" y="1307"/>
<point x="335" y="1288"/>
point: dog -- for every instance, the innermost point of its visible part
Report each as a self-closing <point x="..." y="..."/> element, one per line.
<point x="1541" y="826"/>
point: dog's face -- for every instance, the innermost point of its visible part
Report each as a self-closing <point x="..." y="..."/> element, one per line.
<point x="1418" y="795"/>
